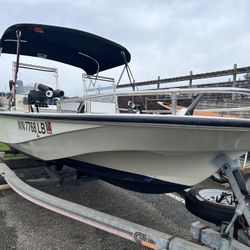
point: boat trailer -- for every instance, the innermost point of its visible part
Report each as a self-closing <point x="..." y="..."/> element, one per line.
<point x="203" y="237"/>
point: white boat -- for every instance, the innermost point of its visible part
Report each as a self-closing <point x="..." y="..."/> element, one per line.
<point x="146" y="153"/>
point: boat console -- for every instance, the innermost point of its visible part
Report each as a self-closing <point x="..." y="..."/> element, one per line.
<point x="42" y="96"/>
<point x="38" y="96"/>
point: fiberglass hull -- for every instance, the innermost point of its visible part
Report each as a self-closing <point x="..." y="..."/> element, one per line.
<point x="143" y="149"/>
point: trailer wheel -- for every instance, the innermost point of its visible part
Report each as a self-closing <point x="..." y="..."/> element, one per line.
<point x="213" y="205"/>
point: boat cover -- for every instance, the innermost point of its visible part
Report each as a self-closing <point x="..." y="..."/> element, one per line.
<point x="70" y="46"/>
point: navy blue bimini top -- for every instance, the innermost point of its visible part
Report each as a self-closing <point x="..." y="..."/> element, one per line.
<point x="74" y="47"/>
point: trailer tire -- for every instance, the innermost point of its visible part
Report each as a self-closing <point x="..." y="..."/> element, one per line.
<point x="198" y="203"/>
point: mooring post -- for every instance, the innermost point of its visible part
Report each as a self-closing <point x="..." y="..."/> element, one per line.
<point x="146" y="103"/>
<point x="190" y="82"/>
<point x="190" y="79"/>
<point x="234" y="79"/>
<point x="158" y="86"/>
<point x="174" y="103"/>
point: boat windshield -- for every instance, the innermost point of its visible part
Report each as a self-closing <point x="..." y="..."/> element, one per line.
<point x="22" y="88"/>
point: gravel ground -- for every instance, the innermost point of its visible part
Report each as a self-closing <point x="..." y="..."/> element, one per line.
<point x="26" y="226"/>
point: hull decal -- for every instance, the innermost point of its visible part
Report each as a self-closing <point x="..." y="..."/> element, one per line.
<point x="35" y="127"/>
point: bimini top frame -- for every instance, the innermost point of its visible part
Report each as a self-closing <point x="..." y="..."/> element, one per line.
<point x="77" y="48"/>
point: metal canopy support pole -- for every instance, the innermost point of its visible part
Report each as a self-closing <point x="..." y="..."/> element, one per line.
<point x="128" y="230"/>
<point x="56" y="75"/>
<point x="18" y="36"/>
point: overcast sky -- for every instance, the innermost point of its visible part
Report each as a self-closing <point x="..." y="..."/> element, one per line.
<point x="165" y="37"/>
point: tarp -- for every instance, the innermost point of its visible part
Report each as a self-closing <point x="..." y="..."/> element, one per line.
<point x="70" y="46"/>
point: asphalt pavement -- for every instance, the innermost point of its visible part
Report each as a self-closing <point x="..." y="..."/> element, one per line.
<point x="26" y="226"/>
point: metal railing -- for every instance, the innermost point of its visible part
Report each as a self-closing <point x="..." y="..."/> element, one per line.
<point x="230" y="72"/>
<point x="173" y="93"/>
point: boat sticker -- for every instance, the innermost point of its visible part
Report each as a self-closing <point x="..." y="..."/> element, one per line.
<point x="48" y="128"/>
<point x="145" y="240"/>
<point x="35" y="127"/>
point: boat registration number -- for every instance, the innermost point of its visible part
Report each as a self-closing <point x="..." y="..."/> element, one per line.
<point x="35" y="127"/>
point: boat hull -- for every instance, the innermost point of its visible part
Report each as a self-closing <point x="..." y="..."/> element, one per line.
<point x="131" y="181"/>
<point x="177" y="151"/>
